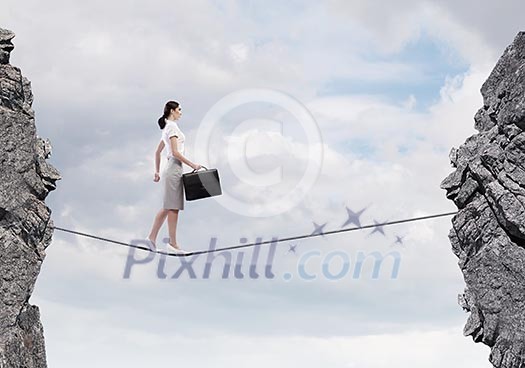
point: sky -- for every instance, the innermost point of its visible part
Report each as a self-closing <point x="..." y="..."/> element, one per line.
<point x="308" y="110"/>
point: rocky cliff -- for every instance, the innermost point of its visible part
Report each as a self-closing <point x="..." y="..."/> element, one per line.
<point x="25" y="224"/>
<point x="488" y="232"/>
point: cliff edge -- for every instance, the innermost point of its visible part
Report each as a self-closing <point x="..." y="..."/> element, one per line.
<point x="25" y="224"/>
<point x="488" y="232"/>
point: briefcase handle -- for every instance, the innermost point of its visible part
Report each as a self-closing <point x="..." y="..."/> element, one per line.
<point x="201" y="168"/>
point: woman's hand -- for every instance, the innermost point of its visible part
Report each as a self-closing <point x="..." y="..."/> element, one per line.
<point x="157" y="177"/>
<point x="196" y="166"/>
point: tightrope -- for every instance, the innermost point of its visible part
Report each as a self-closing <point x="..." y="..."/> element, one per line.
<point x="238" y="246"/>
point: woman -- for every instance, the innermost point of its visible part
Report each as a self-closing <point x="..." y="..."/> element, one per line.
<point x="173" y="200"/>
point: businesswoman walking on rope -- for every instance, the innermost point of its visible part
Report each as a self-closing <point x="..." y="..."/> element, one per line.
<point x="173" y="199"/>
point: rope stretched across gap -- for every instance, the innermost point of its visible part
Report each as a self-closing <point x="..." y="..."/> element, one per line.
<point x="275" y="240"/>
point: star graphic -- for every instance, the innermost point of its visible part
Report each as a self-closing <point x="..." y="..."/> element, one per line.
<point x="292" y="248"/>
<point x="318" y="229"/>
<point x="378" y="228"/>
<point x="353" y="217"/>
<point x="399" y="240"/>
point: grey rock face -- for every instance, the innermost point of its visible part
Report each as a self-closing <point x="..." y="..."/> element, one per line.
<point x="5" y="45"/>
<point x="25" y="223"/>
<point x="488" y="232"/>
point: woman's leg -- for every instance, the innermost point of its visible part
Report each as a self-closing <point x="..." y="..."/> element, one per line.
<point x="173" y="216"/>
<point x="157" y="224"/>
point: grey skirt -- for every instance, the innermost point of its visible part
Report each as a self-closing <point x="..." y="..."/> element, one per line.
<point x="173" y="188"/>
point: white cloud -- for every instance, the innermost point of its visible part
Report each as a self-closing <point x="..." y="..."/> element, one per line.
<point x="134" y="347"/>
<point x="462" y="26"/>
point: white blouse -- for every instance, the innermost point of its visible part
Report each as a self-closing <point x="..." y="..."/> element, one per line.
<point x="172" y="129"/>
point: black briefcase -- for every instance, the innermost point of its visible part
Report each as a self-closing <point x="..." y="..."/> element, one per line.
<point x="201" y="184"/>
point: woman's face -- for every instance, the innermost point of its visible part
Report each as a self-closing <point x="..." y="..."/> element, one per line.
<point x="177" y="113"/>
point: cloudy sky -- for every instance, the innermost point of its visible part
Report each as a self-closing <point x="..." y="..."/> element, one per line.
<point x="354" y="103"/>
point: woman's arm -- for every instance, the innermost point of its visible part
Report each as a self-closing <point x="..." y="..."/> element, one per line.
<point x="160" y="147"/>
<point x="176" y="153"/>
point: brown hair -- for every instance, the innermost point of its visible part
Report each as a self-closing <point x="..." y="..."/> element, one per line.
<point x="167" y="109"/>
